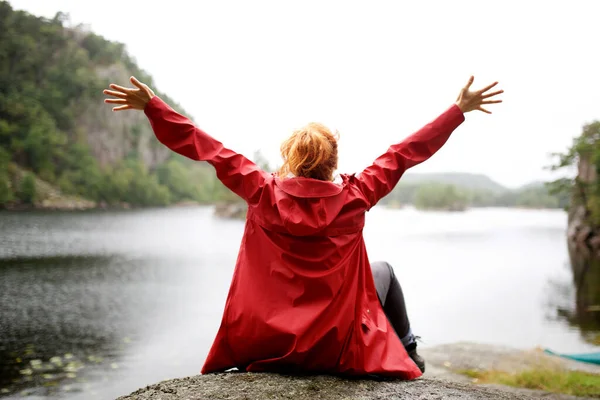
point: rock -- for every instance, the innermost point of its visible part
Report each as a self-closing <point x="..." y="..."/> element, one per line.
<point x="247" y="386"/>
<point x="594" y="242"/>
<point x="235" y="210"/>
<point x="586" y="169"/>
<point x="66" y="203"/>
<point x="439" y="382"/>
<point x="583" y="234"/>
<point x="186" y="203"/>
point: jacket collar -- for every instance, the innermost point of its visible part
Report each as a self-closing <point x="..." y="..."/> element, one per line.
<point x="308" y="187"/>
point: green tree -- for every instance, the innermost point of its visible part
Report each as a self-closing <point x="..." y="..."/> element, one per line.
<point x="6" y="194"/>
<point x="537" y="197"/>
<point x="437" y="196"/>
<point x="27" y="190"/>
<point x="584" y="152"/>
<point x="177" y="178"/>
<point x="481" y="197"/>
<point x="403" y="194"/>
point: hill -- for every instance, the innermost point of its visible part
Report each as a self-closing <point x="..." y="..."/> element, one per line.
<point x="55" y="127"/>
<point x="459" y="191"/>
<point x="460" y="179"/>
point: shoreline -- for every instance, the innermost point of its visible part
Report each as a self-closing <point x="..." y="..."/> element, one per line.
<point x="89" y="205"/>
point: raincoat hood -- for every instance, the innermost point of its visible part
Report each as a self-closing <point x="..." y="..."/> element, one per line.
<point x="307" y="206"/>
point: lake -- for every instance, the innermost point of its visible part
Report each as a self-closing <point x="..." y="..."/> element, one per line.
<point x="94" y="305"/>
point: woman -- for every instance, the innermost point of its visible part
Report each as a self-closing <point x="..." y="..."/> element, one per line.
<point x="304" y="296"/>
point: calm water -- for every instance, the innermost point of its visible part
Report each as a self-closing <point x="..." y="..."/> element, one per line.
<point x="96" y="305"/>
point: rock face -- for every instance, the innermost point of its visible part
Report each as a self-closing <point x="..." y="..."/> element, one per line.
<point x="112" y="137"/>
<point x="583" y="240"/>
<point x="581" y="234"/>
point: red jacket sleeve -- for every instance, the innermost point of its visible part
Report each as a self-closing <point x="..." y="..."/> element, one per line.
<point x="179" y="134"/>
<point x="378" y="180"/>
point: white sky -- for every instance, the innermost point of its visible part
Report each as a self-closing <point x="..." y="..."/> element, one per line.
<point x="249" y="72"/>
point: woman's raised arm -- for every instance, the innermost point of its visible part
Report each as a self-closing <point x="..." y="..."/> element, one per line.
<point x="179" y="134"/>
<point x="380" y="178"/>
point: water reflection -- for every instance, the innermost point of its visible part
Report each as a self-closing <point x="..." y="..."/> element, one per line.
<point x="579" y="298"/>
<point x="66" y="317"/>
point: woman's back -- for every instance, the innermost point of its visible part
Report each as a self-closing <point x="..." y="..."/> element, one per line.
<point x="297" y="299"/>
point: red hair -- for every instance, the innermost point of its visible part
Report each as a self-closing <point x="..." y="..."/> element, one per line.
<point x="310" y="152"/>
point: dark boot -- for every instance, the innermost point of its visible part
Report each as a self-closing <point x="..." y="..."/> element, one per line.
<point x="411" y="349"/>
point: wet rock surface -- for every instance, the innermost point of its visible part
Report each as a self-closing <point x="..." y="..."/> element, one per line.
<point x="439" y="382"/>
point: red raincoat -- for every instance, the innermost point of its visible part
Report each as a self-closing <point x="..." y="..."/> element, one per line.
<point x="302" y="295"/>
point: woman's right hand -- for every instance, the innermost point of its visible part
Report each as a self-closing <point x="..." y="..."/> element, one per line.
<point x="129" y="98"/>
<point x="469" y="101"/>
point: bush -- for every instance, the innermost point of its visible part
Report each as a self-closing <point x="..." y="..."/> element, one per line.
<point x="441" y="197"/>
<point x="27" y="191"/>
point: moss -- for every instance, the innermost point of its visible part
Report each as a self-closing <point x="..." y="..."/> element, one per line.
<point x="574" y="383"/>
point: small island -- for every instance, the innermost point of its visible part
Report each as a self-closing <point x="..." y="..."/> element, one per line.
<point x="461" y="191"/>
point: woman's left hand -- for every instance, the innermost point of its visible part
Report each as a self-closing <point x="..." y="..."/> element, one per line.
<point x="475" y="100"/>
<point x="129" y="98"/>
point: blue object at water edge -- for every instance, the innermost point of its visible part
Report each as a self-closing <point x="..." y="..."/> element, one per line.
<point x="592" y="358"/>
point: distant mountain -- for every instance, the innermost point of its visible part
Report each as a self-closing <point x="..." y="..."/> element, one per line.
<point x="445" y="191"/>
<point x="460" y="179"/>
<point x="531" y="185"/>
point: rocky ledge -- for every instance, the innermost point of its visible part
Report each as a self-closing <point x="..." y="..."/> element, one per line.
<point x="233" y="210"/>
<point x="439" y="382"/>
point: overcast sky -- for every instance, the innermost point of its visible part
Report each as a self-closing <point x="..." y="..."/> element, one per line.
<point x="249" y="72"/>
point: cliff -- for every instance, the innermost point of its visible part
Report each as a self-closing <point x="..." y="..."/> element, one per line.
<point x="583" y="238"/>
<point x="583" y="233"/>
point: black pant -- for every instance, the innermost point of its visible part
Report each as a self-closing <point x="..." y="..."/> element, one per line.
<point x="392" y="300"/>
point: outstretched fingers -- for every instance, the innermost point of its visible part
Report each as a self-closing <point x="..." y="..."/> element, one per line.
<point x="115" y="101"/>
<point x="491" y="101"/>
<point x="137" y="83"/>
<point x="488" y="87"/>
<point x="475" y="100"/>
<point x="142" y="87"/>
<point x="115" y="94"/>
<point x="120" y="108"/>
<point x="121" y="88"/>
<point x="469" y="83"/>
<point x="497" y="92"/>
